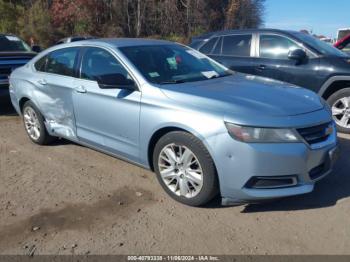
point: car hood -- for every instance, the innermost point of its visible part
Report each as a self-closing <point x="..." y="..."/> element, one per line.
<point x="245" y="94"/>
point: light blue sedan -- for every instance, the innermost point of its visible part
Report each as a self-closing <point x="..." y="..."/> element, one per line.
<point x="203" y="129"/>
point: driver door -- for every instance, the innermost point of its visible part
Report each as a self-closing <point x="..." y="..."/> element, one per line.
<point x="107" y="116"/>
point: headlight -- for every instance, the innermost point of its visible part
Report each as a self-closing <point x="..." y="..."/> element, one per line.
<point x="261" y="135"/>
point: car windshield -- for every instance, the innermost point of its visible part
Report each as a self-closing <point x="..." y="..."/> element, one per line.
<point x="172" y="64"/>
<point x="322" y="47"/>
<point x="10" y="43"/>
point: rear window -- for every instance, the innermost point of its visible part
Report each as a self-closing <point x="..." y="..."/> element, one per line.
<point x="10" y="43"/>
<point x="41" y="64"/>
<point x="237" y="45"/>
<point x="62" y="61"/>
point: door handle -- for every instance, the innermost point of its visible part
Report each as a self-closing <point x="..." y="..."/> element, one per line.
<point x="80" y="89"/>
<point x="261" y="67"/>
<point x="42" y="82"/>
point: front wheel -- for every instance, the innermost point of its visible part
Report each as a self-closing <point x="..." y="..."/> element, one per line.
<point x="340" y="105"/>
<point x="185" y="168"/>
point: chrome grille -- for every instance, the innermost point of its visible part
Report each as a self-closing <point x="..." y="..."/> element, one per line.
<point x="316" y="134"/>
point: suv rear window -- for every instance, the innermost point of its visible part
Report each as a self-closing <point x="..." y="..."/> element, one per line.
<point x="237" y="45"/>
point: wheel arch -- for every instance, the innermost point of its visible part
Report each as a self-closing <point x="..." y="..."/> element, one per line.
<point x="155" y="138"/>
<point x="333" y="85"/>
<point x="25" y="99"/>
<point x="22" y="101"/>
<point x="161" y="131"/>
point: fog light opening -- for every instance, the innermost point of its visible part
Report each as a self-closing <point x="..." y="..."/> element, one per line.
<point x="272" y="182"/>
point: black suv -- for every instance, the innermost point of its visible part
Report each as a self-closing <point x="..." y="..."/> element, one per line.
<point x="13" y="53"/>
<point x="288" y="56"/>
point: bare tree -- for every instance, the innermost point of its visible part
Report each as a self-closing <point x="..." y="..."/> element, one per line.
<point x="174" y="19"/>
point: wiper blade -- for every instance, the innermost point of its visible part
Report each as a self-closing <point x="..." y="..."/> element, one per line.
<point x="179" y="81"/>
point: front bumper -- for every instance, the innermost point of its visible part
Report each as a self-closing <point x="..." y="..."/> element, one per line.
<point x="237" y="163"/>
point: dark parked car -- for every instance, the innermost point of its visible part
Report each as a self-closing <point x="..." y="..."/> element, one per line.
<point x="344" y="44"/>
<point x="288" y="56"/>
<point x="14" y="53"/>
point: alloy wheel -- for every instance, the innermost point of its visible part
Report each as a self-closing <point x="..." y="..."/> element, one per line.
<point x="180" y="170"/>
<point x="341" y="112"/>
<point x="31" y="122"/>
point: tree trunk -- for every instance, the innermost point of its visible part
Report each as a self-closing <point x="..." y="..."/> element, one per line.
<point x="138" y="18"/>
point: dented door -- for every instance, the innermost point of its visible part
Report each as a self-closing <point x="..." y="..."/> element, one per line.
<point x="58" y="105"/>
<point x="56" y="85"/>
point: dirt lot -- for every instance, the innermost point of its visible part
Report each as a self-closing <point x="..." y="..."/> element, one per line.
<point x="65" y="199"/>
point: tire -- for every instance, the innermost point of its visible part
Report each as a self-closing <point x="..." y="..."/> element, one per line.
<point x="193" y="180"/>
<point x="340" y="105"/>
<point x="34" y="125"/>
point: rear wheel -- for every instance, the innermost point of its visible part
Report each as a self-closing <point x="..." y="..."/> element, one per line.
<point x="185" y="169"/>
<point x="34" y="125"/>
<point x="340" y="105"/>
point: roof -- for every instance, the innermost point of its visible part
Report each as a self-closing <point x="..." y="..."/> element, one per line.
<point x="122" y="42"/>
<point x="107" y="43"/>
<point x="2" y="34"/>
<point x="244" y="31"/>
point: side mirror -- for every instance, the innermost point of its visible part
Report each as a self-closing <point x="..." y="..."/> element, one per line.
<point x="116" y="81"/>
<point x="36" y="49"/>
<point x="299" y="55"/>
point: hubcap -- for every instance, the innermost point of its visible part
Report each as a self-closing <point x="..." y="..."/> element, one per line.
<point x="180" y="170"/>
<point x="341" y="112"/>
<point x="31" y="123"/>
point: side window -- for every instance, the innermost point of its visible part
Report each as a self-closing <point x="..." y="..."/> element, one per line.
<point x="101" y="66"/>
<point x="276" y="47"/>
<point x="62" y="61"/>
<point x="208" y="46"/>
<point x="41" y="64"/>
<point x="237" y="45"/>
<point x="217" y="49"/>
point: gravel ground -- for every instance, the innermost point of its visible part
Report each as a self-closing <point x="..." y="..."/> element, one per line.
<point x="68" y="199"/>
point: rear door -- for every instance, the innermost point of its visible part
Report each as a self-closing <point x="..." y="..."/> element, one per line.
<point x="235" y="52"/>
<point x="54" y="81"/>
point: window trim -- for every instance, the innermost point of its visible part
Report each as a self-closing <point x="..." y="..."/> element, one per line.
<point x="80" y="63"/>
<point x="252" y="47"/>
<point x="81" y="47"/>
<point x="301" y="45"/>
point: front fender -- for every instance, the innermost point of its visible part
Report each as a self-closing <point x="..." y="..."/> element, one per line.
<point x="330" y="81"/>
<point x="202" y="125"/>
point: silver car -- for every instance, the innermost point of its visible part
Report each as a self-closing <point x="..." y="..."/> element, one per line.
<point x="204" y="130"/>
